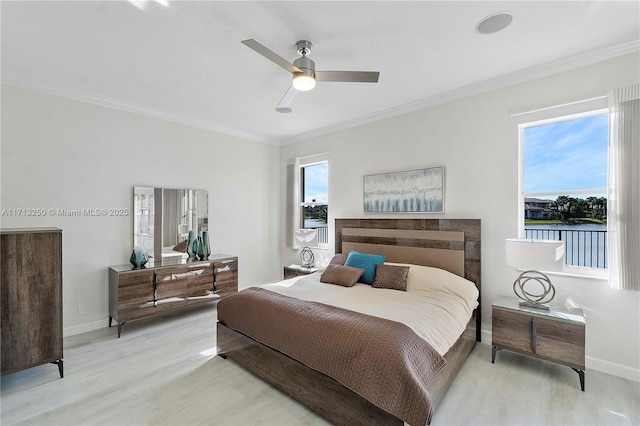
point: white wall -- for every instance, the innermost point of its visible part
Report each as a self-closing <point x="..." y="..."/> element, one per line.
<point x="60" y="153"/>
<point x="476" y="141"/>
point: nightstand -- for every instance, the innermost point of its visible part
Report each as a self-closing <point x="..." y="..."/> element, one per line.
<point x="556" y="335"/>
<point x="292" y="271"/>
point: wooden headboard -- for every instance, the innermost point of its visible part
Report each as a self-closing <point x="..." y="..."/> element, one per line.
<point x="450" y="244"/>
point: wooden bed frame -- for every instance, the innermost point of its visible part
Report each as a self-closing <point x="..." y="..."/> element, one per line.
<point x="451" y="244"/>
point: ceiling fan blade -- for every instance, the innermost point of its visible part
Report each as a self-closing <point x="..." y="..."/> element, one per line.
<point x="348" y="76"/>
<point x="286" y="100"/>
<point x="271" y="55"/>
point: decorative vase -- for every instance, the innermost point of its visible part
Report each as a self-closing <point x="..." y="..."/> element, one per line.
<point x="200" y="249"/>
<point x="206" y="246"/>
<point x="192" y="242"/>
<point x="139" y="257"/>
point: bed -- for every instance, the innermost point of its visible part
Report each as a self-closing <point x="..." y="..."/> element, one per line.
<point x="451" y="245"/>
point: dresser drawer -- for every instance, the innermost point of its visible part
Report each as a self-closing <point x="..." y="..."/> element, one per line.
<point x="226" y="270"/>
<point x="172" y="274"/>
<point x="135" y="278"/>
<point x="225" y="288"/>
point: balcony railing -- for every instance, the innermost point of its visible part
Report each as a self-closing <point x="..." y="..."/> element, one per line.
<point x="582" y="247"/>
<point x="323" y="233"/>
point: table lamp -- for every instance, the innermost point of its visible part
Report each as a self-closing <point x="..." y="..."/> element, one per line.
<point x="532" y="286"/>
<point x="306" y="238"/>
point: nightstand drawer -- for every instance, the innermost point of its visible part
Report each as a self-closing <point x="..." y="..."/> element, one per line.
<point x="512" y="330"/>
<point x="561" y="342"/>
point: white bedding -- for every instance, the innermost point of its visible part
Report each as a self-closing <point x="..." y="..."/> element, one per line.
<point x="437" y="304"/>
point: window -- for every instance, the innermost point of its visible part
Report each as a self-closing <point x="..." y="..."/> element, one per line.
<point x="564" y="184"/>
<point x="313" y="199"/>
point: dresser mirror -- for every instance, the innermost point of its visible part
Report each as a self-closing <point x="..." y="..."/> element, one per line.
<point x="162" y="219"/>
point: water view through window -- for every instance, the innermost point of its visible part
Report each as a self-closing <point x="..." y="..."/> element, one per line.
<point x="315" y="208"/>
<point x="565" y="185"/>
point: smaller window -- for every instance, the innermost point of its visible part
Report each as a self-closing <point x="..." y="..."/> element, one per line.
<point x="314" y="205"/>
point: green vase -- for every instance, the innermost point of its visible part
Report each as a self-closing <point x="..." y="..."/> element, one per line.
<point x="206" y="247"/>
<point x="192" y="247"/>
<point x="200" y="248"/>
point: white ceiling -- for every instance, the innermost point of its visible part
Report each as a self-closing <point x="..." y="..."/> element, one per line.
<point x="184" y="61"/>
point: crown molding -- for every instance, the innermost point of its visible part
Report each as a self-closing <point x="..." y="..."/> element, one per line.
<point x="517" y="77"/>
<point x="105" y="101"/>
<point x="506" y="80"/>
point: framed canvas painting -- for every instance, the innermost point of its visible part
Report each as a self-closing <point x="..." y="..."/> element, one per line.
<point x="408" y="191"/>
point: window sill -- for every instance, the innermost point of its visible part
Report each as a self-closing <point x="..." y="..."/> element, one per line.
<point x="585" y="273"/>
<point x="312" y="247"/>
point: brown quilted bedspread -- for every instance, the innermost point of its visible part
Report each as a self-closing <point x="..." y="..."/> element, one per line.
<point x="383" y="361"/>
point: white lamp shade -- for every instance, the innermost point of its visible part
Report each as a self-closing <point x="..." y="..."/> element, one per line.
<point x="539" y="255"/>
<point x="306" y="237"/>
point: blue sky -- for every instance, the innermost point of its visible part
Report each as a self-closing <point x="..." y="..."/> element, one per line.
<point x="316" y="179"/>
<point x="568" y="155"/>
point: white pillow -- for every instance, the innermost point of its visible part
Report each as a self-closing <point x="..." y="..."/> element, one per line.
<point x="428" y="278"/>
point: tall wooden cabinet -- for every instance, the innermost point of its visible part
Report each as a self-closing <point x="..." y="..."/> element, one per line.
<point x="31" y="298"/>
<point x="161" y="287"/>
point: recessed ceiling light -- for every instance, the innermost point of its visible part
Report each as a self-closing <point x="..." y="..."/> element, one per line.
<point x="494" y="23"/>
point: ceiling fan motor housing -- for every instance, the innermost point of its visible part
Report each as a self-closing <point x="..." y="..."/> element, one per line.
<point x="306" y="65"/>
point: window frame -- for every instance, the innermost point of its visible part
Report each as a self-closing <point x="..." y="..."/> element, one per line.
<point x="300" y="204"/>
<point x="544" y="116"/>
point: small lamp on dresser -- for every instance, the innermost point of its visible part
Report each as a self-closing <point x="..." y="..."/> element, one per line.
<point x="306" y="238"/>
<point x="532" y="286"/>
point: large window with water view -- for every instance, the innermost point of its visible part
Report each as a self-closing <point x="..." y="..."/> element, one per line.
<point x="564" y="184"/>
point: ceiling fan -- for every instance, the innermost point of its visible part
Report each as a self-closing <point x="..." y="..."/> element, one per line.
<point x="304" y="71"/>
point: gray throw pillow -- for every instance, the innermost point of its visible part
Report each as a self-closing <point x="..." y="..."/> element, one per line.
<point x="345" y="276"/>
<point x="391" y="276"/>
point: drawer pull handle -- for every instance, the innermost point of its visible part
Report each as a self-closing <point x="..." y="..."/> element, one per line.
<point x="225" y="269"/>
<point x="533" y="335"/>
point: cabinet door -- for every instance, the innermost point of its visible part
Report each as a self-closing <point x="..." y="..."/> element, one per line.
<point x="135" y="295"/>
<point x="512" y="330"/>
<point x="561" y="341"/>
<point x="171" y="287"/>
<point x="226" y="277"/>
<point x="200" y="283"/>
<point x="31" y="294"/>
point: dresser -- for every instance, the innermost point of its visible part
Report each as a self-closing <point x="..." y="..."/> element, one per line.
<point x="31" y="298"/>
<point x="556" y="335"/>
<point x="161" y="287"/>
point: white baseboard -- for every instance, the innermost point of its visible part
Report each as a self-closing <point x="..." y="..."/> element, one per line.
<point x="597" y="364"/>
<point x="614" y="369"/>
<point x="83" y="328"/>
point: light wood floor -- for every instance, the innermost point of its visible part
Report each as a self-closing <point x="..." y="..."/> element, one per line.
<point x="165" y="372"/>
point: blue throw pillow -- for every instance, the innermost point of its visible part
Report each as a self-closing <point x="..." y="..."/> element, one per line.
<point x="367" y="262"/>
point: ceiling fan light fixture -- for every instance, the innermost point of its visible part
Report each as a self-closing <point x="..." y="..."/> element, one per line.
<point x="303" y="82"/>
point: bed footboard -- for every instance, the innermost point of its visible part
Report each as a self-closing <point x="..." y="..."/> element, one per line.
<point x="320" y="393"/>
